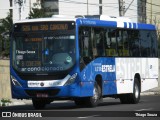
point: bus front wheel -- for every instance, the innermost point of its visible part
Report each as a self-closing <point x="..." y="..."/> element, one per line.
<point x="95" y="99"/>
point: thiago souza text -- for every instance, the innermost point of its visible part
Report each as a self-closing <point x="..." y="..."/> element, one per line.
<point x="146" y="114"/>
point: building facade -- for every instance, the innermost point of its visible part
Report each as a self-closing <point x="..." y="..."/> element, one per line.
<point x="70" y="7"/>
<point x="146" y="11"/>
<point x="153" y="13"/>
<point x="92" y="7"/>
<point x="19" y="8"/>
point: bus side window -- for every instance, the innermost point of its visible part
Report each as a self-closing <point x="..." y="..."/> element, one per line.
<point x="111" y="42"/>
<point x="134" y="43"/>
<point x="123" y="43"/>
<point x="85" y="45"/>
<point x="98" y="42"/>
<point x="148" y="44"/>
<point x="154" y="44"/>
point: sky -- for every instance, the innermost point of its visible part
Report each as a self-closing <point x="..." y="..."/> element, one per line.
<point x="110" y="7"/>
<point x="4" y="8"/>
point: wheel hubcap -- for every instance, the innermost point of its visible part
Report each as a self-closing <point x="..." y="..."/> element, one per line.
<point x="95" y="94"/>
<point x="136" y="91"/>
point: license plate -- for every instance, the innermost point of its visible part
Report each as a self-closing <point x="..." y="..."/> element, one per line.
<point x="42" y="95"/>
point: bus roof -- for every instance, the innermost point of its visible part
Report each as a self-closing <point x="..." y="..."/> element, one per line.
<point x="95" y="20"/>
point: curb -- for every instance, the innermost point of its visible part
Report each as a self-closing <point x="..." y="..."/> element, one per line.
<point x="150" y="93"/>
<point x="20" y="102"/>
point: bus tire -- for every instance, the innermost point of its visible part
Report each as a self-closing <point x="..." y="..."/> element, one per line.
<point x="134" y="97"/>
<point x="38" y="104"/>
<point x="95" y="99"/>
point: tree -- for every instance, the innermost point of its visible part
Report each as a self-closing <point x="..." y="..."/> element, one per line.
<point x="6" y="26"/>
<point x="38" y="11"/>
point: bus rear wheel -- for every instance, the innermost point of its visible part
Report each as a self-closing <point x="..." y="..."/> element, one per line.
<point x="134" y="97"/>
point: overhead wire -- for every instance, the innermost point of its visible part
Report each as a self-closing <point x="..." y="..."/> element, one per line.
<point x="106" y="5"/>
<point x="110" y="5"/>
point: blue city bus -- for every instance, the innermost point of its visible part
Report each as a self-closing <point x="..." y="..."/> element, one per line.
<point x="84" y="59"/>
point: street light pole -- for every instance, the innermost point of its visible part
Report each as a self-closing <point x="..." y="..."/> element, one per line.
<point x="87" y="8"/>
<point x="100" y="7"/>
<point x="151" y="12"/>
<point x="20" y="3"/>
<point x="121" y="10"/>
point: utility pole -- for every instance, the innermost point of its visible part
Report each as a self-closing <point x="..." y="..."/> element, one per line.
<point x="30" y="9"/>
<point x="121" y="7"/>
<point x="87" y="8"/>
<point x="151" y="12"/>
<point x="125" y="9"/>
<point x="100" y="7"/>
<point x="11" y="9"/>
<point x="20" y="3"/>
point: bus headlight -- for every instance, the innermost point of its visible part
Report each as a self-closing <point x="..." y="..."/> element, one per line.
<point x="15" y="82"/>
<point x="71" y="79"/>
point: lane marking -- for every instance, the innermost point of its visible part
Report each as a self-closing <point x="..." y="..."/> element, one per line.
<point x="88" y="116"/>
<point x="144" y="109"/>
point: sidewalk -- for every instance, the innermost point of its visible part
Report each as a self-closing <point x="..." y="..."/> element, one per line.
<point x="20" y="102"/>
<point x="155" y="91"/>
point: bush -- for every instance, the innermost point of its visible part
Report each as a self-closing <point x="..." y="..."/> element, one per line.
<point x="4" y="102"/>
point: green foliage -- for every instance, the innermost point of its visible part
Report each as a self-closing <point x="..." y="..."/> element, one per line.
<point x="6" y="25"/>
<point x="4" y="102"/>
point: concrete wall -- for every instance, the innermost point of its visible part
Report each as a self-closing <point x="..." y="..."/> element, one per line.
<point x="5" y="91"/>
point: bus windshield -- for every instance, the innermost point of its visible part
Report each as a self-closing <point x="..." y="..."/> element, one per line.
<point x="43" y="47"/>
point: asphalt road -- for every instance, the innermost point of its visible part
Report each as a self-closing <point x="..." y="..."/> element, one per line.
<point x="149" y="105"/>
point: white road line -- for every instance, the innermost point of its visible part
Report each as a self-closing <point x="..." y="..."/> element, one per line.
<point x="88" y="116"/>
<point x="82" y="117"/>
<point x="144" y="109"/>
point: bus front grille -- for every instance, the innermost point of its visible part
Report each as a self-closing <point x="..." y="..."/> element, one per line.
<point x="50" y="93"/>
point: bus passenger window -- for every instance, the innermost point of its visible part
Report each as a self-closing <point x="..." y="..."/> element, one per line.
<point x="134" y="43"/>
<point x="85" y="45"/>
<point x="153" y="37"/>
<point x="99" y="41"/>
<point x="111" y="41"/>
<point x="123" y="43"/>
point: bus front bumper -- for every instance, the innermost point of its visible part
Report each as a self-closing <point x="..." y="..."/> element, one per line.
<point x="68" y="91"/>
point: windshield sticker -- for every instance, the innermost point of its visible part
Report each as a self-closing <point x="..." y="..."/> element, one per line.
<point x="30" y="63"/>
<point x="59" y="37"/>
<point x="72" y="37"/>
<point x="19" y="57"/>
<point x="25" y="52"/>
<point x="69" y="59"/>
<point x="39" y="69"/>
<point x="46" y="52"/>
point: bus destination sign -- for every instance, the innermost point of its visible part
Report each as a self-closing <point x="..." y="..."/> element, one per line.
<point x="48" y="26"/>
